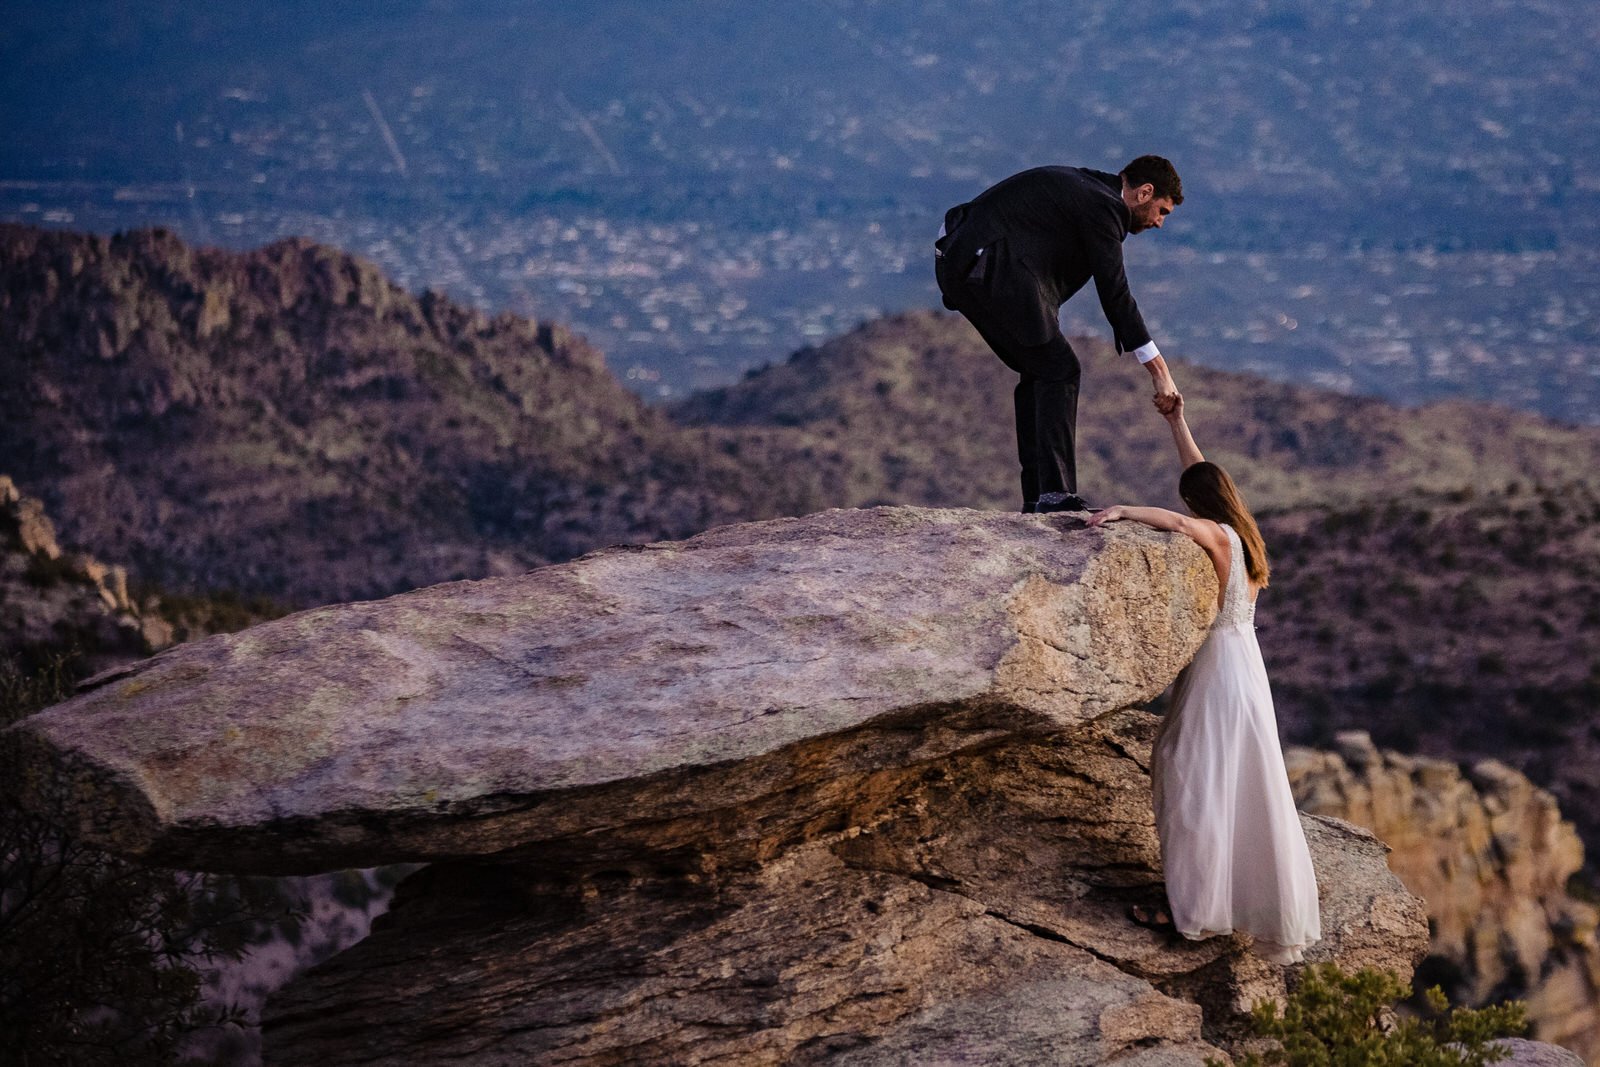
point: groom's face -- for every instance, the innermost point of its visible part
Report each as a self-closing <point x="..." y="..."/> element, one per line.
<point x="1149" y="213"/>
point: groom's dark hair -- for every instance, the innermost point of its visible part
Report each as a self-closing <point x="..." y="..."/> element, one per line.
<point x="1211" y="494"/>
<point x="1159" y="172"/>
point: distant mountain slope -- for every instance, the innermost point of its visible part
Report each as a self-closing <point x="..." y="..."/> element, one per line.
<point x="1460" y="625"/>
<point x="287" y="421"/>
<point x="915" y="409"/>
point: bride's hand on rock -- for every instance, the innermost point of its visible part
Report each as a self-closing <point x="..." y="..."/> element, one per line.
<point x="1111" y="514"/>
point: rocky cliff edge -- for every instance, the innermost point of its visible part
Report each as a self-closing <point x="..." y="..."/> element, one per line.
<point x="856" y="788"/>
<point x="1491" y="854"/>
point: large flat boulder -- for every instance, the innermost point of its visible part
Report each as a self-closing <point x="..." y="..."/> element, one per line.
<point x="867" y="787"/>
<point x="628" y="687"/>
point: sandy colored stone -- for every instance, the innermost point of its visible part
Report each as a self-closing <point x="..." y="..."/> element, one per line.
<point x="971" y="909"/>
<point x="55" y="598"/>
<point x="1491" y="855"/>
<point x="633" y="684"/>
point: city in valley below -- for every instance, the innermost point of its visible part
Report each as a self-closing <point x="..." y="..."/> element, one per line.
<point x="686" y="304"/>
<point x="1379" y="199"/>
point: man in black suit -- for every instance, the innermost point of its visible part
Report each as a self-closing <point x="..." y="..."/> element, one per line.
<point x="1008" y="260"/>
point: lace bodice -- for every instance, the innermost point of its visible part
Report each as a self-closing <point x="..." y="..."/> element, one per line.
<point x="1237" y="607"/>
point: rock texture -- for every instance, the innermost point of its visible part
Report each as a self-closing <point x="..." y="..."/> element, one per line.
<point x="467" y="718"/>
<point x="1522" y="1053"/>
<point x="1491" y="855"/>
<point x="968" y="909"/>
<point x="851" y="788"/>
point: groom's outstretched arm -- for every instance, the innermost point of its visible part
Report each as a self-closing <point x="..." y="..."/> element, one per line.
<point x="1161" y="378"/>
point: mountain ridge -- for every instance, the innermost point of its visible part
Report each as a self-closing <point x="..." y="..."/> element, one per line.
<point x="289" y="422"/>
<point x="163" y="400"/>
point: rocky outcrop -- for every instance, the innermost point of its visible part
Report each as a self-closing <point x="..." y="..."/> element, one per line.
<point x="1491" y="855"/>
<point x="971" y="908"/>
<point x="288" y="422"/>
<point x="1519" y="1052"/>
<point x="631" y="686"/>
<point x="50" y="599"/>
<point x="847" y="788"/>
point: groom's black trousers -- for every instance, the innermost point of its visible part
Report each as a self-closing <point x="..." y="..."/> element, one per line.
<point x="1046" y="396"/>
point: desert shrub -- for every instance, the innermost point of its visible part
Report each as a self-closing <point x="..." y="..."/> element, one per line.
<point x="43" y="572"/>
<point x="99" y="956"/>
<point x="1491" y="663"/>
<point x="200" y="615"/>
<point x="1336" y="1019"/>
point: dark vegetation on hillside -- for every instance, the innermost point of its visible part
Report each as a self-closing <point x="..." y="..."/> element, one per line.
<point x="100" y="958"/>
<point x="1462" y="624"/>
<point x="288" y="422"/>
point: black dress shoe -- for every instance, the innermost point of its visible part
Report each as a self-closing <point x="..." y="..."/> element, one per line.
<point x="1052" y="502"/>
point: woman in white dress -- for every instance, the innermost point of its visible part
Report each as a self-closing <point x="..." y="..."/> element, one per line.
<point x="1232" y="848"/>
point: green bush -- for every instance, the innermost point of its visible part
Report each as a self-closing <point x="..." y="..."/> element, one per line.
<point x="1346" y="1020"/>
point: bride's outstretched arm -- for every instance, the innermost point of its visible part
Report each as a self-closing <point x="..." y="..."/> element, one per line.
<point x="1160" y="518"/>
<point x="1203" y="532"/>
<point x="1188" y="452"/>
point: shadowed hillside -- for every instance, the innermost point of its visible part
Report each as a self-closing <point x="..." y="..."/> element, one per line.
<point x="1460" y="625"/>
<point x="289" y="422"/>
<point x="915" y="409"/>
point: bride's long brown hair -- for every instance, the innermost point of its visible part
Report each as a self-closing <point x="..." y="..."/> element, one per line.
<point x="1211" y="494"/>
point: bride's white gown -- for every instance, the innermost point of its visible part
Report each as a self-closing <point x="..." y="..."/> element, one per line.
<point x="1232" y="848"/>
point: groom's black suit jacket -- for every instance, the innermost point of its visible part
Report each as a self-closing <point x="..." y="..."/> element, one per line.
<point x="1024" y="246"/>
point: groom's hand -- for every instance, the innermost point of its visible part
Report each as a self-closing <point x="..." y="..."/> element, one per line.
<point x="1161" y="378"/>
<point x="1171" y="407"/>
